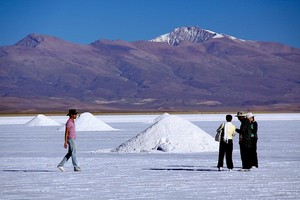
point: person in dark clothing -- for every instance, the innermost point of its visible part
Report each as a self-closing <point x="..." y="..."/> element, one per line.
<point x="253" y="128"/>
<point x="244" y="141"/>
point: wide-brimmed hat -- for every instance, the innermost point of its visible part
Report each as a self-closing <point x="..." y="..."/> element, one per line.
<point x="72" y="112"/>
<point x="240" y="114"/>
<point x="249" y="115"/>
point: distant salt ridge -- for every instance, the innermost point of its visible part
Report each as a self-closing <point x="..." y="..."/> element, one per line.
<point x="42" y="120"/>
<point x="170" y="134"/>
<point x="88" y="122"/>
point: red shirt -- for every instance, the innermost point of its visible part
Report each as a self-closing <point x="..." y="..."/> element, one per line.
<point x="71" y="126"/>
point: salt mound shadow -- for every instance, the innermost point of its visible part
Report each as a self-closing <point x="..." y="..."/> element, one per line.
<point x="42" y="120"/>
<point x="88" y="122"/>
<point x="170" y="134"/>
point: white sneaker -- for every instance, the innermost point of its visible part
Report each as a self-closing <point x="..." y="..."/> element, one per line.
<point x="244" y="170"/>
<point x="253" y="167"/>
<point x="61" y="168"/>
<point x="220" y="168"/>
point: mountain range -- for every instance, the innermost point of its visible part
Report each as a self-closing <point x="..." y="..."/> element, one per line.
<point x="189" y="69"/>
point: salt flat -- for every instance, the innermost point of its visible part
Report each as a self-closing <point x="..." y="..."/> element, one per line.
<point x="29" y="155"/>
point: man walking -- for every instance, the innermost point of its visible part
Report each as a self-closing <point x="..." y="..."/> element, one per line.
<point x="70" y="140"/>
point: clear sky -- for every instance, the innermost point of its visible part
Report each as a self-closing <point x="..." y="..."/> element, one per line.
<point x="85" y="21"/>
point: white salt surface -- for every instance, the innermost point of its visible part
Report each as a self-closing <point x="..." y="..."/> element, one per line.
<point x="29" y="156"/>
<point x="170" y="133"/>
<point x="88" y="122"/>
<point x="150" y="118"/>
<point x="42" y="120"/>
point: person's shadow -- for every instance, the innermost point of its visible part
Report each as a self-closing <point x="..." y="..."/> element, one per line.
<point x="184" y="168"/>
<point x="28" y="170"/>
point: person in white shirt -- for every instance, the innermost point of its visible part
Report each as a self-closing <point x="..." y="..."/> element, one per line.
<point x="227" y="131"/>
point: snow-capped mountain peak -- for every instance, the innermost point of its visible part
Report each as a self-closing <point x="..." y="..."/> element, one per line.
<point x="192" y="34"/>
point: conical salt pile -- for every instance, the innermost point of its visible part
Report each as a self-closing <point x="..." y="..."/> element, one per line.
<point x="42" y="120"/>
<point x="170" y="134"/>
<point x="88" y="122"/>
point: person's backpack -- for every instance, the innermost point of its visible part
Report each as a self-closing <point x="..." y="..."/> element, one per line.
<point x="220" y="134"/>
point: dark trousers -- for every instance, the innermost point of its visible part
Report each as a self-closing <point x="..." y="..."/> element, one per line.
<point x="245" y="156"/>
<point x="225" y="149"/>
<point x="254" y="160"/>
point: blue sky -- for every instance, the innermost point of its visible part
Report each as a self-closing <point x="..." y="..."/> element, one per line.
<point x="85" y="21"/>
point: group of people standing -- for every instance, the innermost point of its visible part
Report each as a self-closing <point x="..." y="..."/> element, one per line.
<point x="247" y="141"/>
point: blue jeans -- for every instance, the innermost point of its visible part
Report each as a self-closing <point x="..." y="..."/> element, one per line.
<point x="71" y="153"/>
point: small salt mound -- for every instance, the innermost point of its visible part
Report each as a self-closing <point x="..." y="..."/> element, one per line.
<point x="88" y="122"/>
<point x="42" y="120"/>
<point x="170" y="134"/>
